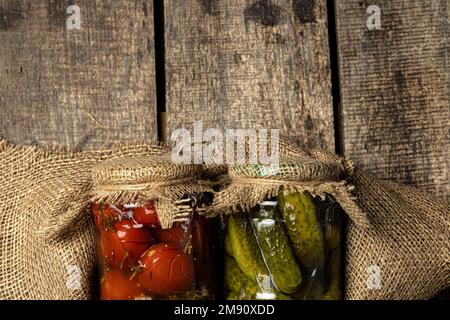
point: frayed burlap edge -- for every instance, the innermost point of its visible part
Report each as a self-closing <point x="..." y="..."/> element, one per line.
<point x="167" y="198"/>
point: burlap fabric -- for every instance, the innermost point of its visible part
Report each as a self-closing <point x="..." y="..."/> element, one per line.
<point x="139" y="178"/>
<point x="47" y="248"/>
<point x="212" y="171"/>
<point x="401" y="232"/>
<point x="408" y="240"/>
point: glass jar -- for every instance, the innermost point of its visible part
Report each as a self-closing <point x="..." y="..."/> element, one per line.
<point x="138" y="259"/>
<point x="288" y="247"/>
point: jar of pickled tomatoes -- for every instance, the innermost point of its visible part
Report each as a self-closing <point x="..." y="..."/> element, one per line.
<point x="153" y="242"/>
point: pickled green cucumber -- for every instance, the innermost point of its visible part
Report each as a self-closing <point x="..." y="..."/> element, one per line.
<point x="245" y="248"/>
<point x="236" y="281"/>
<point x="281" y="296"/>
<point x="240" y="287"/>
<point x="303" y="227"/>
<point x="232" y="296"/>
<point x="228" y="247"/>
<point x="277" y="253"/>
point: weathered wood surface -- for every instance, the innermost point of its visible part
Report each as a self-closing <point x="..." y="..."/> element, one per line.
<point x="78" y="88"/>
<point x="250" y="64"/>
<point x="395" y="90"/>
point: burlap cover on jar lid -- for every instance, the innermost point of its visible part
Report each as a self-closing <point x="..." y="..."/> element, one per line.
<point x="400" y="231"/>
<point x="140" y="178"/>
<point x="296" y="171"/>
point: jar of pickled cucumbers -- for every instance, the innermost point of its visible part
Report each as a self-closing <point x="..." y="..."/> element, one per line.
<point x="280" y="241"/>
<point x="287" y="247"/>
<point x="152" y="247"/>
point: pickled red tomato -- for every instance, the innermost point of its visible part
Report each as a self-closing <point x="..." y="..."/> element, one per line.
<point x="134" y="238"/>
<point x="125" y="244"/>
<point x="177" y="235"/>
<point x="112" y="250"/>
<point x="117" y="286"/>
<point x="166" y="270"/>
<point x="102" y="212"/>
<point x="146" y="215"/>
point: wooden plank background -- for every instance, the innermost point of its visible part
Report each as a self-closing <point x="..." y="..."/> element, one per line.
<point x="250" y="64"/>
<point x="234" y="64"/>
<point x="395" y="90"/>
<point x="79" y="88"/>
